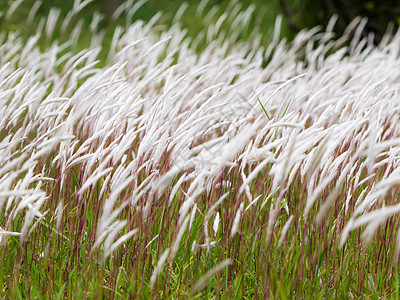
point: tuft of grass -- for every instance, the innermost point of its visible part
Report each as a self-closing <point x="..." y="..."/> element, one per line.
<point x="147" y="168"/>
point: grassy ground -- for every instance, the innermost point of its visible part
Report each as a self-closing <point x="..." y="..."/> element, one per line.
<point x="151" y="165"/>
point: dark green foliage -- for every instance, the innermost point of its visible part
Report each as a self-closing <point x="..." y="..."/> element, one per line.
<point x="309" y="13"/>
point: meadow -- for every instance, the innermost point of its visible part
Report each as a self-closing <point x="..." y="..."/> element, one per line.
<point x="170" y="166"/>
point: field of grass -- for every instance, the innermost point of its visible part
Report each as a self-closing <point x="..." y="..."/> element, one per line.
<point x="155" y="164"/>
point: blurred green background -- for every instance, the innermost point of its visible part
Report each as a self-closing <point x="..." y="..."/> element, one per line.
<point x="297" y="14"/>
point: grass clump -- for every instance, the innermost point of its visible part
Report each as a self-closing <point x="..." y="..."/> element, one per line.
<point x="157" y="173"/>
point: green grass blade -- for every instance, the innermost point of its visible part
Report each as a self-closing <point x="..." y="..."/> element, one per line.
<point x="265" y="111"/>
<point x="287" y="106"/>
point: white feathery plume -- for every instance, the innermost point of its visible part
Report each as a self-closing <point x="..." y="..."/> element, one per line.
<point x="13" y="7"/>
<point x="285" y="230"/>
<point x="159" y="267"/>
<point x="207" y="276"/>
<point x="216" y="223"/>
<point x="175" y="245"/>
<point x="209" y="213"/>
<point x="236" y="220"/>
